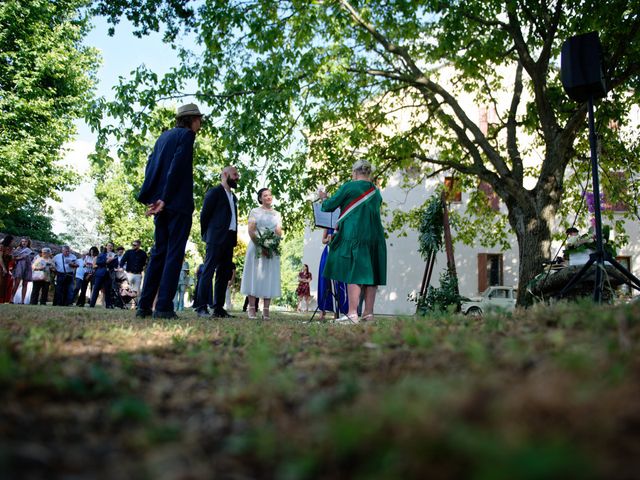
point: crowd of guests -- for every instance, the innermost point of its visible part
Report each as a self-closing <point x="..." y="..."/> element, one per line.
<point x="74" y="279"/>
<point x="353" y="262"/>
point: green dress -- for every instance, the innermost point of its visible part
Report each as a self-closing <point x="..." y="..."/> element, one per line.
<point x="357" y="252"/>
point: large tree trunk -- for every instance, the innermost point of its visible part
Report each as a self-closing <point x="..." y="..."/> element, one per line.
<point x="532" y="227"/>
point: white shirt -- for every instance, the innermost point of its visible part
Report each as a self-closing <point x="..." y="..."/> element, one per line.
<point x="80" y="269"/>
<point x="62" y="263"/>
<point x="233" y="224"/>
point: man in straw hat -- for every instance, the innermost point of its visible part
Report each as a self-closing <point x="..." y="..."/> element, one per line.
<point x="168" y="192"/>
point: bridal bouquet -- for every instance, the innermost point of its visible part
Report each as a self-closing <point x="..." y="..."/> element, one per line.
<point x="268" y="244"/>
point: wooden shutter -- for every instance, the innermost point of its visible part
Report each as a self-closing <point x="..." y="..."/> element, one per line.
<point x="483" y="282"/>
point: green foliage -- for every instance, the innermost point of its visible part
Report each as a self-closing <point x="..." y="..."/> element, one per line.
<point x="480" y="223"/>
<point x="239" y="255"/>
<point x="122" y="218"/>
<point x="46" y="80"/>
<point x="147" y="15"/>
<point x="445" y="298"/>
<point x="431" y="230"/>
<point x="587" y="242"/>
<point x="29" y="221"/>
<point x="291" y="264"/>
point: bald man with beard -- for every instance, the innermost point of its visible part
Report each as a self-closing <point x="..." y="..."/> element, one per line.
<point x="219" y="229"/>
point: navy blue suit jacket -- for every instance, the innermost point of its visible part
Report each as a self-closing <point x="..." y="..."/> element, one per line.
<point x="169" y="172"/>
<point x="216" y="215"/>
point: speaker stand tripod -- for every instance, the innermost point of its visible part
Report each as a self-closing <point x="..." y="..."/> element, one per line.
<point x="599" y="256"/>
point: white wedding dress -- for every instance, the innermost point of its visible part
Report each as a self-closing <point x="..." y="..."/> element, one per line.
<point x="261" y="276"/>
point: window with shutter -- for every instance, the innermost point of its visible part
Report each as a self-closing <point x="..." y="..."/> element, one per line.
<point x="490" y="270"/>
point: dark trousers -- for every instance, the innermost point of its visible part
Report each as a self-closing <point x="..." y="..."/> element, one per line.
<point x="102" y="281"/>
<point x="82" y="297"/>
<point x="195" y="296"/>
<point x="167" y="255"/>
<point x="77" y="286"/>
<point x="64" y="289"/>
<point x="218" y="261"/>
<point x="40" y="288"/>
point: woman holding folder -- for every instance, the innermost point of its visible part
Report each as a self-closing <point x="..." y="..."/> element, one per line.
<point x="358" y="253"/>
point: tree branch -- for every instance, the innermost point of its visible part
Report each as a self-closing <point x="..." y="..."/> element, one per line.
<point x="550" y="35"/>
<point x="512" y="139"/>
<point x="429" y="88"/>
<point x="399" y="51"/>
<point x="538" y="72"/>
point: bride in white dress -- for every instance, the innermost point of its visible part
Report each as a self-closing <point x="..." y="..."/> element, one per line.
<point x="261" y="275"/>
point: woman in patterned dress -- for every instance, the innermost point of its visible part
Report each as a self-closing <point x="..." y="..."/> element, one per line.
<point x="304" y="291"/>
<point x="23" y="255"/>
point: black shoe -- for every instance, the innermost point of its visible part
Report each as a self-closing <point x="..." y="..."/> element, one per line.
<point x="143" y="313"/>
<point x="203" y="313"/>
<point x="222" y="313"/>
<point x="165" y="315"/>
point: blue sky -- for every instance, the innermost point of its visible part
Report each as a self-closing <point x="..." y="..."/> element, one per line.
<point x="120" y="54"/>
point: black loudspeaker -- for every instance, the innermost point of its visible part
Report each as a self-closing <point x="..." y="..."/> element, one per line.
<point x="581" y="70"/>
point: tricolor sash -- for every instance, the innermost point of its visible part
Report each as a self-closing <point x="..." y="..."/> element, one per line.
<point x="361" y="199"/>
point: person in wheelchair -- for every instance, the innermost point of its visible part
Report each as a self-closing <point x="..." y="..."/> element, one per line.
<point x="122" y="293"/>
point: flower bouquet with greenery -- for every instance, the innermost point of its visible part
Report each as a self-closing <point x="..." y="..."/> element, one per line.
<point x="587" y="242"/>
<point x="268" y="243"/>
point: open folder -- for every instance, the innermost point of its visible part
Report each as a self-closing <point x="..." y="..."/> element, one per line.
<point x="325" y="219"/>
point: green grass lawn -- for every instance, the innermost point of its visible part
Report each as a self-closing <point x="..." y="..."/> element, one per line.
<point x="546" y="393"/>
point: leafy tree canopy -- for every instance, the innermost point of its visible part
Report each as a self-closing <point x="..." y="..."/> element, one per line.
<point x="46" y="79"/>
<point x="33" y="221"/>
<point x="306" y="87"/>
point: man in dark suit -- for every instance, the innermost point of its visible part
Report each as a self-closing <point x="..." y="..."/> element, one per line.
<point x="219" y="229"/>
<point x="168" y="192"/>
<point x="133" y="263"/>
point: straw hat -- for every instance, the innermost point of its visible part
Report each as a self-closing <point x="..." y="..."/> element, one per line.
<point x="189" y="110"/>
